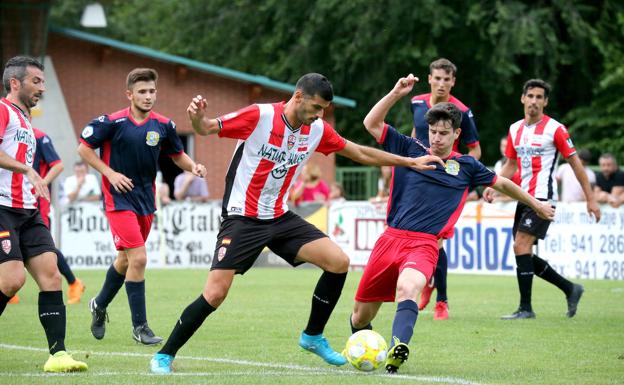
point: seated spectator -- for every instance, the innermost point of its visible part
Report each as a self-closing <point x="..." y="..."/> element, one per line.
<point x="164" y="193"/>
<point x="187" y="186"/>
<point x="336" y="193"/>
<point x="82" y="186"/>
<point x="571" y="190"/>
<point x="609" y="181"/>
<point x="310" y="187"/>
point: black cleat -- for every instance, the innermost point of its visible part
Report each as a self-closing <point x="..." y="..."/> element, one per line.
<point x="519" y="314"/>
<point x="397" y="355"/>
<point x="98" y="318"/>
<point x="573" y="299"/>
<point x="144" y="335"/>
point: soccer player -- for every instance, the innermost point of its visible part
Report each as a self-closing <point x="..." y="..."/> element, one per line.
<point x="423" y="208"/>
<point x="441" y="78"/>
<point x="131" y="141"/>
<point x="24" y="238"/>
<point x="533" y="146"/>
<point x="274" y="143"/>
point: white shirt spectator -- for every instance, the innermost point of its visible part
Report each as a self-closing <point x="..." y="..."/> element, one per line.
<point x="571" y="188"/>
<point x="90" y="188"/>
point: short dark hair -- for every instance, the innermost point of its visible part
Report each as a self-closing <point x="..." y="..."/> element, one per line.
<point x="315" y="84"/>
<point x="585" y="155"/>
<point x="443" y="64"/>
<point x="141" y="75"/>
<point x="608" y="155"/>
<point x="15" y="68"/>
<point x="444" y="111"/>
<point x="536" y="83"/>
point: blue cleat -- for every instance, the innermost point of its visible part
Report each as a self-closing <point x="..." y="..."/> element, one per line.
<point x="319" y="346"/>
<point x="161" y="363"/>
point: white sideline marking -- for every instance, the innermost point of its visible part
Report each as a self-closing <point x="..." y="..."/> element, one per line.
<point x="304" y="369"/>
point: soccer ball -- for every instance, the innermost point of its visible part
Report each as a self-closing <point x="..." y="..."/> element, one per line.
<point x="366" y="350"/>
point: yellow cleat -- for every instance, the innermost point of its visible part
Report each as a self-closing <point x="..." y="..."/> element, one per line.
<point x="61" y="362"/>
<point x="397" y="355"/>
<point x="75" y="292"/>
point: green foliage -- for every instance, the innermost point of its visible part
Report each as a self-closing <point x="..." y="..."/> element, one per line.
<point x="363" y="46"/>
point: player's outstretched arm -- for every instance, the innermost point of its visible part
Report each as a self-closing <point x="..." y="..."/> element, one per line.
<point x="197" y="114"/>
<point x="187" y="164"/>
<point x="120" y="182"/>
<point x="374" y="120"/>
<point x="581" y="176"/>
<point x="509" y="168"/>
<point x="53" y="172"/>
<point x="374" y="157"/>
<point x="509" y="188"/>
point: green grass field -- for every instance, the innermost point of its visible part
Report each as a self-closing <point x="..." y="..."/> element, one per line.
<point x="252" y="338"/>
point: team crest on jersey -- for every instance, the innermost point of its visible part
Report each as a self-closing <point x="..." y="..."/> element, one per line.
<point x="6" y="246"/>
<point x="291" y="141"/>
<point x="87" y="131"/>
<point x="451" y="167"/>
<point x="152" y="138"/>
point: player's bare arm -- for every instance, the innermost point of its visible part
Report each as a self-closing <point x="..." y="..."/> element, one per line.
<point x="581" y="176"/>
<point x="475" y="151"/>
<point x="8" y="163"/>
<point x="120" y="182"/>
<point x="509" y="188"/>
<point x="374" y="157"/>
<point x="54" y="171"/>
<point x="509" y="168"/>
<point x="197" y="114"/>
<point x="187" y="164"/>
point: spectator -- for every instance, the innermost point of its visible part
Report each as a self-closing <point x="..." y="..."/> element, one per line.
<point x="164" y="193"/>
<point x="499" y="163"/>
<point x="610" y="181"/>
<point x="187" y="186"/>
<point x="82" y="186"/>
<point x="336" y="193"/>
<point x="310" y="188"/>
<point x="571" y="190"/>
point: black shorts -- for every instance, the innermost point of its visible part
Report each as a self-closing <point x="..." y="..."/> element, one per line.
<point x="527" y="221"/>
<point x="23" y="234"/>
<point x="241" y="239"/>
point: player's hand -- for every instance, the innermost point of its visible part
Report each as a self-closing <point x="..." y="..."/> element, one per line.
<point x="545" y="211"/>
<point x="197" y="109"/>
<point x="594" y="209"/>
<point x="41" y="190"/>
<point x="489" y="194"/>
<point x="423" y="163"/>
<point x="120" y="182"/>
<point x="199" y="170"/>
<point x="404" y="85"/>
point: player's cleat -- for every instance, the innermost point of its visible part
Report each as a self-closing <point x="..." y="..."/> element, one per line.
<point x="61" y="362"/>
<point x="425" y="294"/>
<point x="14" y="300"/>
<point x="144" y="335"/>
<point x="397" y="355"/>
<point x="319" y="346"/>
<point x="98" y="317"/>
<point x="573" y="299"/>
<point x="161" y="363"/>
<point x="75" y="292"/>
<point x="441" y="311"/>
<point x="519" y="314"/>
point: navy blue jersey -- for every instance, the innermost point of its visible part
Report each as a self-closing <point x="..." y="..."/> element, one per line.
<point x="468" y="136"/>
<point x="430" y="201"/>
<point x="45" y="154"/>
<point x="132" y="149"/>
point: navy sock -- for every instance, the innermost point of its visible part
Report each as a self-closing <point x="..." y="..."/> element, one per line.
<point x="441" y="272"/>
<point x="53" y="319"/>
<point x="326" y="295"/>
<point x="112" y="284"/>
<point x="136" y="300"/>
<point x="191" y="319"/>
<point x="355" y="330"/>
<point x="64" y="267"/>
<point x="3" y="301"/>
<point x="404" y="321"/>
<point x="524" y="273"/>
<point x="546" y="272"/>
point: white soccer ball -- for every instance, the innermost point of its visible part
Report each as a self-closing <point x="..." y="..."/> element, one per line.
<point x="366" y="350"/>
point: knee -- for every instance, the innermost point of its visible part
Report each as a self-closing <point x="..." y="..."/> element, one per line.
<point x="11" y="285"/>
<point x="138" y="262"/>
<point x="359" y="319"/>
<point x="339" y="264"/>
<point x="215" y="295"/>
<point x="407" y="290"/>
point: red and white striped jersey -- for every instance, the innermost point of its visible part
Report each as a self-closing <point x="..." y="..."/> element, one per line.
<point x="17" y="140"/>
<point x="268" y="158"/>
<point x="536" y="149"/>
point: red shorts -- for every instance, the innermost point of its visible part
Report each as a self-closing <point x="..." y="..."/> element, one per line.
<point x="129" y="229"/>
<point x="394" y="251"/>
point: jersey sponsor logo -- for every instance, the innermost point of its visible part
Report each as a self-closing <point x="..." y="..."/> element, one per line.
<point x="87" y="131"/>
<point x="528" y="222"/>
<point x="291" y="141"/>
<point x="271" y="153"/>
<point x="451" y="167"/>
<point x="6" y="246"/>
<point x="418" y="101"/>
<point x="23" y="136"/>
<point x="120" y="120"/>
<point x="235" y="209"/>
<point x="303" y="140"/>
<point x="280" y="172"/>
<point x="152" y="138"/>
